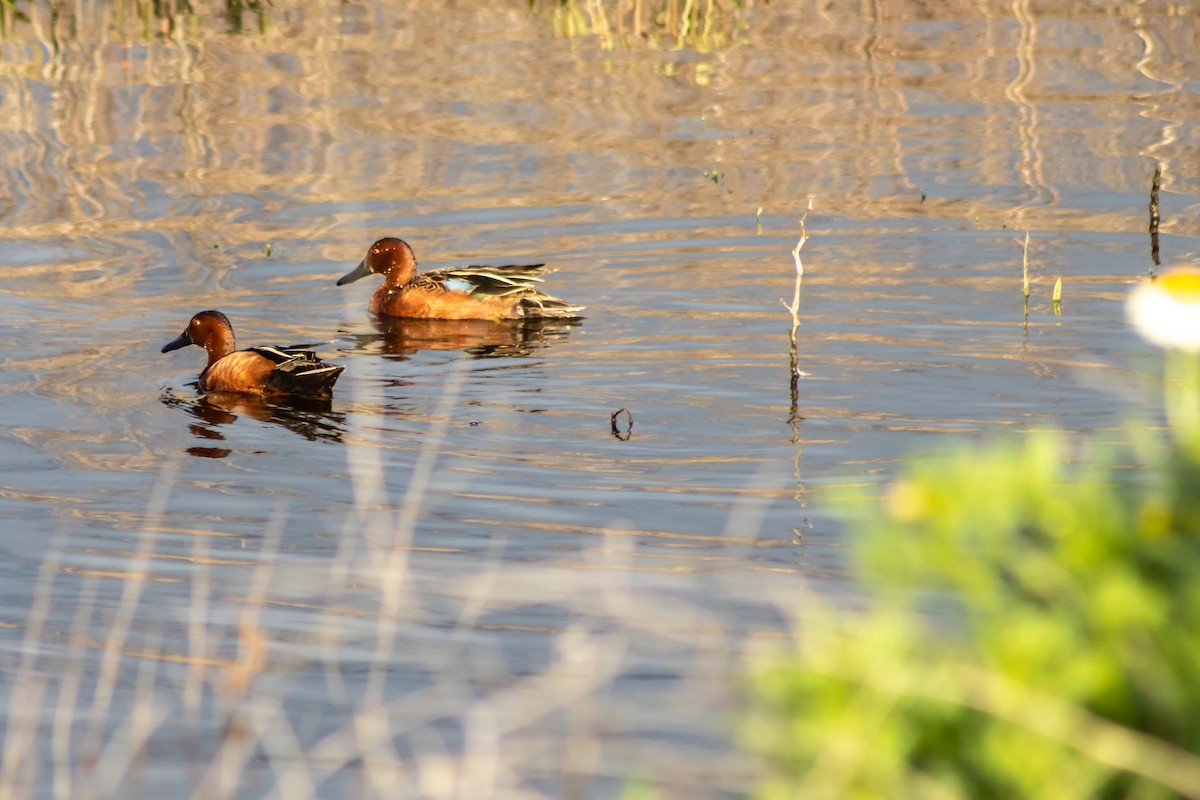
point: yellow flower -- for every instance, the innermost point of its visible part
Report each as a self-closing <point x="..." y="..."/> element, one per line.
<point x="1166" y="310"/>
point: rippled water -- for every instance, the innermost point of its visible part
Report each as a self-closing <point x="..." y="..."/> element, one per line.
<point x="463" y="577"/>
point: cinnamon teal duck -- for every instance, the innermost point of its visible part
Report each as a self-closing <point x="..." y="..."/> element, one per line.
<point x="258" y="370"/>
<point x="476" y="292"/>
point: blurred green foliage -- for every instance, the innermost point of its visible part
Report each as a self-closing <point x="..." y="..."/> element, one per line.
<point x="1033" y="632"/>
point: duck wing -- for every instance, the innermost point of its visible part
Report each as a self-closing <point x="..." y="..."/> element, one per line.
<point x="298" y="371"/>
<point x="487" y="281"/>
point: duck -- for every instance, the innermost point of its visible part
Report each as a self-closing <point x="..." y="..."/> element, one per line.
<point x="264" y="371"/>
<point x="497" y="293"/>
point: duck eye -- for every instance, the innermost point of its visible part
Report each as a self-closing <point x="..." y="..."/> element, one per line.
<point x="375" y="251"/>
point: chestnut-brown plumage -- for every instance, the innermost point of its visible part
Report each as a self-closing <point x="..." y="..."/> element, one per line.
<point x="476" y="292"/>
<point x="259" y="370"/>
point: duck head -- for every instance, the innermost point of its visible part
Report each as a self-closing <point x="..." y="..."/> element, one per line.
<point x="390" y="257"/>
<point x="208" y="329"/>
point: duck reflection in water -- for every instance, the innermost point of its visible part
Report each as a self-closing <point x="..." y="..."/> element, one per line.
<point x="309" y="417"/>
<point x="480" y="338"/>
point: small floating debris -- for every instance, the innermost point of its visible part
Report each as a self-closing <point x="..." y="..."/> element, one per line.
<point x="616" y="424"/>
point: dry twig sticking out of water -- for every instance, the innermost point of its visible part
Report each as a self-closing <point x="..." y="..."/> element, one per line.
<point x="1154" y="186"/>
<point x="794" y="307"/>
<point x="1025" y="283"/>
<point x="1025" y="267"/>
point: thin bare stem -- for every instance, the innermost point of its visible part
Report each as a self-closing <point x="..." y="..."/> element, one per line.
<point x="1155" y="182"/>
<point x="1025" y="266"/>
<point x="19" y="763"/>
<point x="794" y="309"/>
<point x="1025" y="284"/>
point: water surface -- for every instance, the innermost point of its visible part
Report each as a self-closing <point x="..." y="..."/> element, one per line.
<point x="455" y="579"/>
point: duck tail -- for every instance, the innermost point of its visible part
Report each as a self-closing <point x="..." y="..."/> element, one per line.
<point x="316" y="380"/>
<point x="300" y="372"/>
<point x="536" y="305"/>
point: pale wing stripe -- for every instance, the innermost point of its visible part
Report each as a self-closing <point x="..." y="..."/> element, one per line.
<point x="281" y="353"/>
<point x="494" y="274"/>
<point x="317" y="370"/>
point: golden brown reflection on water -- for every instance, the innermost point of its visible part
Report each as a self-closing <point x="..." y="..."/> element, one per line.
<point x="345" y="104"/>
<point x="454" y="580"/>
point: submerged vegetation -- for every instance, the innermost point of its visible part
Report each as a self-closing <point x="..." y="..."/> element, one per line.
<point x="155" y="17"/>
<point x="701" y="25"/>
<point x="1035" y="625"/>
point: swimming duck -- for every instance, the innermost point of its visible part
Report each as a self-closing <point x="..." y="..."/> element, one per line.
<point x="259" y="370"/>
<point x="476" y="292"/>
